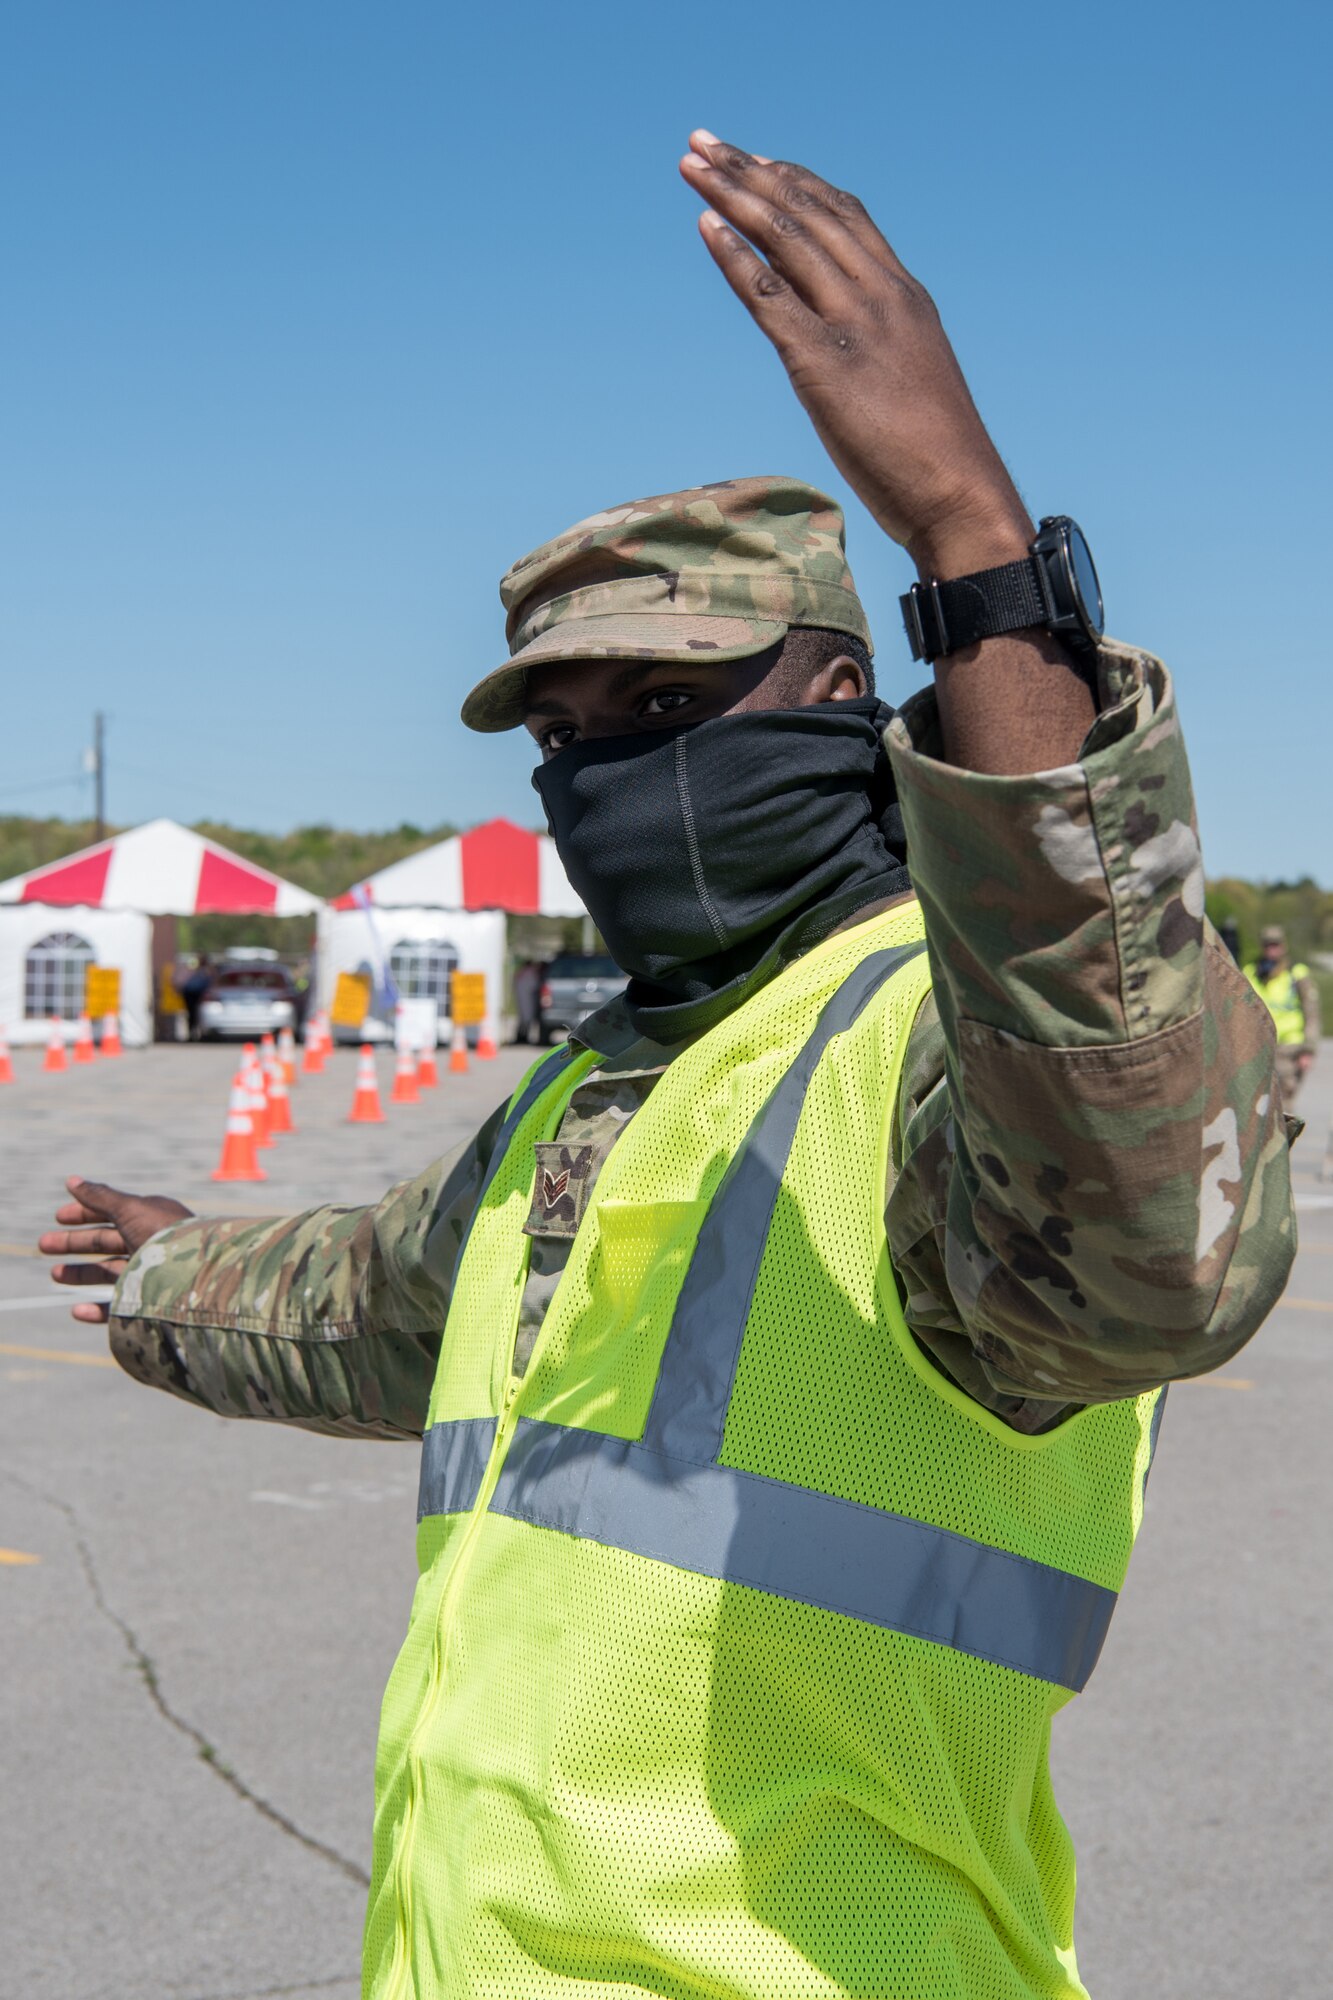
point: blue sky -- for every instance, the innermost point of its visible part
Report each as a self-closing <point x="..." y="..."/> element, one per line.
<point x="318" y="314"/>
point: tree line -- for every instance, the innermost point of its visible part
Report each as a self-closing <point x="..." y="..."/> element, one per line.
<point x="328" y="859"/>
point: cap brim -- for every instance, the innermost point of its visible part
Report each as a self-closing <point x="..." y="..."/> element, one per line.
<point x="500" y="701"/>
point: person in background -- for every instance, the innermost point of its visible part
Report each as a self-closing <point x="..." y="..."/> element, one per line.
<point x="1292" y="998"/>
<point x="527" y="1001"/>
<point x="301" y="985"/>
<point x="194" y="991"/>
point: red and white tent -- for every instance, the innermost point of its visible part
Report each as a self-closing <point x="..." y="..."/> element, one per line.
<point x="163" y="870"/>
<point x="498" y="866"/>
<point x="113" y="905"/>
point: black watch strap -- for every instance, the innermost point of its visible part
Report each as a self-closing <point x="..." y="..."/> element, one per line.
<point x="942" y="618"/>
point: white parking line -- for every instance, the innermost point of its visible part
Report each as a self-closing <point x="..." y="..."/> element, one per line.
<point x="96" y="1295"/>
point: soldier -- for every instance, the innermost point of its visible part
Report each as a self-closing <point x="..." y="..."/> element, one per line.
<point x="805" y="1318"/>
<point x="1292" y="998"/>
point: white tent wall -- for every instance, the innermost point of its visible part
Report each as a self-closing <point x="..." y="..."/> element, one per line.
<point x="477" y="938"/>
<point x="120" y="938"/>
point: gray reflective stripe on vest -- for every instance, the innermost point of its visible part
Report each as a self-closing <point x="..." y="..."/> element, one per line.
<point x="787" y="1541"/>
<point x="689" y="1406"/>
<point x="453" y="1464"/>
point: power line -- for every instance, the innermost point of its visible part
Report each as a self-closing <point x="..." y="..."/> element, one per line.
<point x="41" y="785"/>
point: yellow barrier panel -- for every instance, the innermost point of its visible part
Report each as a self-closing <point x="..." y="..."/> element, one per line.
<point x="351" y="1000"/>
<point x="101" y="991"/>
<point x="467" y="998"/>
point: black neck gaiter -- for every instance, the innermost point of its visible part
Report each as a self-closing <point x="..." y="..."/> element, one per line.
<point x="711" y="856"/>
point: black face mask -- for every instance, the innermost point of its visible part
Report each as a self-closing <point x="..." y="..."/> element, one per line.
<point x="712" y="855"/>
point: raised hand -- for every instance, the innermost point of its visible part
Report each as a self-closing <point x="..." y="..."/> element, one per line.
<point x="105" y="1223"/>
<point x="866" y="353"/>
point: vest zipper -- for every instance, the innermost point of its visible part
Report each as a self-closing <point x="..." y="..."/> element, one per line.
<point x="504" y="1433"/>
<point x="443" y="1619"/>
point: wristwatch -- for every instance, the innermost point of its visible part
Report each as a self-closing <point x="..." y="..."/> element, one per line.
<point x="1055" y="586"/>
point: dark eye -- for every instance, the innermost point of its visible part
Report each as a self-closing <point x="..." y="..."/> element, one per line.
<point x="663" y="700"/>
<point x="557" y="737"/>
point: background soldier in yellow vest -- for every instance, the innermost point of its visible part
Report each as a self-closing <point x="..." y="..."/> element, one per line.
<point x="788" y="1352"/>
<point x="1292" y="998"/>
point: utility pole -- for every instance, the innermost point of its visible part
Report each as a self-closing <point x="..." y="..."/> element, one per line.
<point x="99" y="774"/>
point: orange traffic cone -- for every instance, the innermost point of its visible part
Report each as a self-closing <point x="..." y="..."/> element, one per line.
<point x="485" y="1046"/>
<point x="287" y="1055"/>
<point x="55" y="1046"/>
<point x="428" y="1077"/>
<point x="6" y="1066"/>
<point x="458" y="1052"/>
<point x="405" y="1079"/>
<point x="279" y="1099"/>
<point x="268" y="1055"/>
<point x="254" y="1083"/>
<point x="312" y="1056"/>
<point x="84" y="1051"/>
<point x="238" y="1162"/>
<point x="366" y="1108"/>
<point x="111" y="1035"/>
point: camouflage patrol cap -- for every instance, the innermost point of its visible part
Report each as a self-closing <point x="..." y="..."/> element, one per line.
<point x="713" y="573"/>
<point x="1272" y="934"/>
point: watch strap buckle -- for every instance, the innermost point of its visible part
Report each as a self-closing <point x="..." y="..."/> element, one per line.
<point x="923" y="616"/>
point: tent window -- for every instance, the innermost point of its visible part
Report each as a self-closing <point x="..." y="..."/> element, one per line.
<point x="422" y="968"/>
<point x="55" y="976"/>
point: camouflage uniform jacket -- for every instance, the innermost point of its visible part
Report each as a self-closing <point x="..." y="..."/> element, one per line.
<point x="1088" y="1191"/>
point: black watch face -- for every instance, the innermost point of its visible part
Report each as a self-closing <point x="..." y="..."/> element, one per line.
<point x="1085" y="580"/>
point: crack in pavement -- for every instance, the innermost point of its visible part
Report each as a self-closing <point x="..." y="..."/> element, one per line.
<point x="206" y="1751"/>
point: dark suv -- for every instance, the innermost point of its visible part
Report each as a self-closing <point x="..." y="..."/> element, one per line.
<point x="575" y="986"/>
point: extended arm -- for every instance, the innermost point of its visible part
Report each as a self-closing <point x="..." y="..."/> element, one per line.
<point x="330" y="1320"/>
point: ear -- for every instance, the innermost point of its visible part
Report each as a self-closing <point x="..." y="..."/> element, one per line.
<point x="839" y="679"/>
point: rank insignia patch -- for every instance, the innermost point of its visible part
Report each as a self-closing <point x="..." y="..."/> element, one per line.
<point x="560" y="1190"/>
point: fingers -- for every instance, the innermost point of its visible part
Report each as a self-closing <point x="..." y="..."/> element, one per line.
<point x="74" y="1211"/>
<point x="832" y="218"/>
<point x="87" y="1274"/>
<point x="95" y="1208"/>
<point x="102" y="1202"/>
<point x="95" y="1241"/>
<point x="92" y="1314"/>
<point x="790" y="237"/>
<point x="776" y="308"/>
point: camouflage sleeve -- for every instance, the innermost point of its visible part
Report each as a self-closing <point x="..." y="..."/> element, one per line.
<point x="1092" y="1193"/>
<point x="330" y="1320"/>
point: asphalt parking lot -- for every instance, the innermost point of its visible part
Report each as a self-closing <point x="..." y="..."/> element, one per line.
<point x="197" y="1617"/>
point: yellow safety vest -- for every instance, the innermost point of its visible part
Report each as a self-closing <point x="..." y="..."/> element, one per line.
<point x="1281" y="996"/>
<point x="739" y="1628"/>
